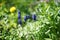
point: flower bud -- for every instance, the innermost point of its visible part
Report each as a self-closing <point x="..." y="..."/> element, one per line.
<point x="19" y="21"/>
<point x="19" y="15"/>
<point x="26" y="17"/>
<point x="34" y="17"/>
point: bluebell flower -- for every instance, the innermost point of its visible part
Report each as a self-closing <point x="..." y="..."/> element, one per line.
<point x="26" y="17"/>
<point x="19" y="15"/>
<point x="19" y="21"/>
<point x="34" y="17"/>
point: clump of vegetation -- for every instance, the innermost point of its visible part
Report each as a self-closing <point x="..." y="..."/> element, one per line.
<point x="25" y="20"/>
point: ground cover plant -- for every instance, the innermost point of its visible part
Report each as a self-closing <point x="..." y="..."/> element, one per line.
<point x="29" y="20"/>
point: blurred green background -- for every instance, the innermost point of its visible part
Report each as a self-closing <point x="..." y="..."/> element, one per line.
<point x="47" y="26"/>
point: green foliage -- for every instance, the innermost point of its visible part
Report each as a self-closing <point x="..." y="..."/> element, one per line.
<point x="47" y="26"/>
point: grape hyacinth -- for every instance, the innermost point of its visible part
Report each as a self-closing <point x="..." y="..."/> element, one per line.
<point x="19" y="21"/>
<point x="34" y="17"/>
<point x="26" y="17"/>
<point x="19" y="17"/>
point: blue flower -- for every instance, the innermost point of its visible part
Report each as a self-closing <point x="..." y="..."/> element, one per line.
<point x="19" y="17"/>
<point x="19" y="14"/>
<point x="26" y="17"/>
<point x="34" y="17"/>
<point x="19" y="21"/>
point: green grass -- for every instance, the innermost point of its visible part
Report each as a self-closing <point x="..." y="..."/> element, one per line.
<point x="47" y="26"/>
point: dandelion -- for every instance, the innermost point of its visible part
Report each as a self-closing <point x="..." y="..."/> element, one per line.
<point x="12" y="9"/>
<point x="34" y="17"/>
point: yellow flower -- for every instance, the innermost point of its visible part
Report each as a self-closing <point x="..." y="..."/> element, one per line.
<point x="12" y="9"/>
